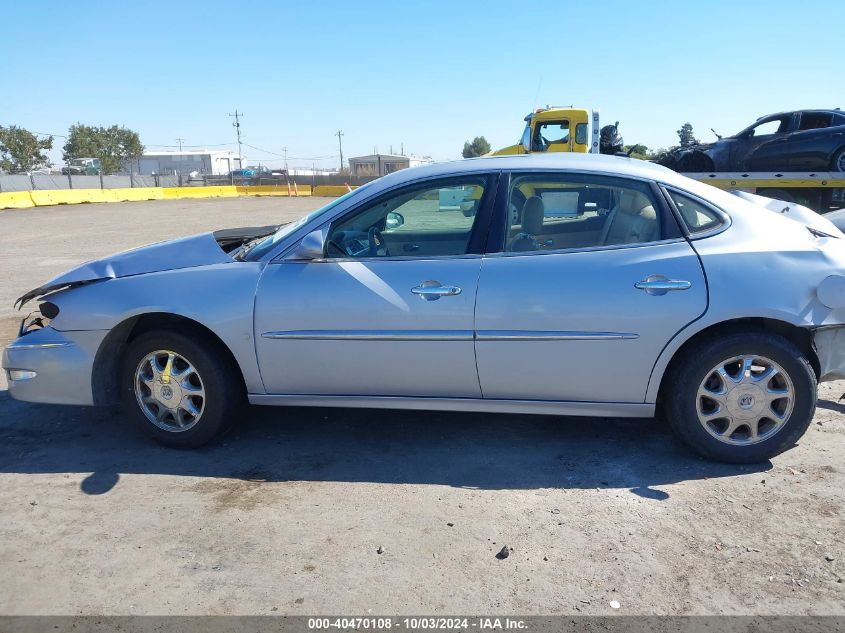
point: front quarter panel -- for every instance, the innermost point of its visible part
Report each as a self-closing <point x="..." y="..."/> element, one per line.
<point x="221" y="297"/>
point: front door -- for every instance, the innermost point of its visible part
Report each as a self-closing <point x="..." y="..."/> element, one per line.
<point x="389" y="310"/>
<point x="571" y="313"/>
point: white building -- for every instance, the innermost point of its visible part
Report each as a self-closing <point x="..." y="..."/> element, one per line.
<point x="203" y="161"/>
<point x="383" y="164"/>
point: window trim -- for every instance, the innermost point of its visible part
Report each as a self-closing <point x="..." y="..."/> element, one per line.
<point x="497" y="242"/>
<point x="479" y="230"/>
<point x="723" y="215"/>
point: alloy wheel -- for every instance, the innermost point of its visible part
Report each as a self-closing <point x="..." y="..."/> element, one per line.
<point x="169" y="390"/>
<point x="745" y="400"/>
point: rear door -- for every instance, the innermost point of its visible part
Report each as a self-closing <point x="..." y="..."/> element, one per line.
<point x="585" y="322"/>
<point x="818" y="136"/>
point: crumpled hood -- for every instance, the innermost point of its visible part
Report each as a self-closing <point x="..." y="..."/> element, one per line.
<point x="186" y="252"/>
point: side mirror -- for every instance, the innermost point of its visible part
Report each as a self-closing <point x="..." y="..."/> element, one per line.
<point x="312" y="246"/>
<point x="394" y="220"/>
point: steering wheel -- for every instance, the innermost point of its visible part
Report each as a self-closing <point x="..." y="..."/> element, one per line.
<point x="378" y="247"/>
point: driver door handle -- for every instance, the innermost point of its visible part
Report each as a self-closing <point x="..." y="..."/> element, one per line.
<point x="433" y="290"/>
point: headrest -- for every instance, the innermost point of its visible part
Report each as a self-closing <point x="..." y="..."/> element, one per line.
<point x="533" y="213"/>
<point x="632" y="202"/>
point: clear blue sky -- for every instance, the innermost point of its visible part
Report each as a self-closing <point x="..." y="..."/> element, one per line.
<point x="427" y="74"/>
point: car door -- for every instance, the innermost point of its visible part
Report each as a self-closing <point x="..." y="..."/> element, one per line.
<point x="587" y="322"/>
<point x="388" y="310"/>
<point x="765" y="145"/>
<point x="818" y="137"/>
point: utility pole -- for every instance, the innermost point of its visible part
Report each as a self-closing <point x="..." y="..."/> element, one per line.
<point x="237" y="125"/>
<point x="285" y="150"/>
<point x="179" y="140"/>
<point x="339" y="134"/>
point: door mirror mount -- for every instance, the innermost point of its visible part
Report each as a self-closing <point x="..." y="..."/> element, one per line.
<point x="312" y="246"/>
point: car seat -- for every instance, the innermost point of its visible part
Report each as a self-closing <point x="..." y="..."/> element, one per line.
<point x="633" y="221"/>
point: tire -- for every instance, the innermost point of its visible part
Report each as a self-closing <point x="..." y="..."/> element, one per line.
<point x="781" y="422"/>
<point x="838" y="162"/>
<point x="214" y="375"/>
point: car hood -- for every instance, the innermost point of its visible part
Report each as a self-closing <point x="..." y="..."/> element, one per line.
<point x="187" y="252"/>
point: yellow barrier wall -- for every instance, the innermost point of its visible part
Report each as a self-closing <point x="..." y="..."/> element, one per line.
<point x="332" y="191"/>
<point x="16" y="200"/>
<point x="43" y="198"/>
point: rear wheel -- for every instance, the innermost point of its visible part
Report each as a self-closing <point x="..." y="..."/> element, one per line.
<point x="742" y="398"/>
<point x="179" y="388"/>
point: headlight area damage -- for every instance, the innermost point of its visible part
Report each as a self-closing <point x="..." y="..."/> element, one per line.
<point x="198" y="250"/>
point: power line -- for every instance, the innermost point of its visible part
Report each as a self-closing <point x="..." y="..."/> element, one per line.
<point x="267" y="151"/>
<point x="179" y="140"/>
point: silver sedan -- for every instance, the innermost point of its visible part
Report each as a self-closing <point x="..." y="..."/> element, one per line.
<point x="556" y="284"/>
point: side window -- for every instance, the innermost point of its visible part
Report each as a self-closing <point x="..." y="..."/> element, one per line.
<point x="769" y="127"/>
<point x="550" y="132"/>
<point x="696" y="215"/>
<point x="427" y="221"/>
<point x="815" y="120"/>
<point x="581" y="133"/>
<point x="556" y="212"/>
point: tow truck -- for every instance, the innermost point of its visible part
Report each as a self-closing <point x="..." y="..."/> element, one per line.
<point x="570" y="129"/>
<point x="550" y="129"/>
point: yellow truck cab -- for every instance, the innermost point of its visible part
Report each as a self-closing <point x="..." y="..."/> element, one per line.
<point x="555" y="129"/>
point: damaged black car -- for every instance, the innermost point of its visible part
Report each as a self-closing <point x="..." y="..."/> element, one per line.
<point x="802" y="141"/>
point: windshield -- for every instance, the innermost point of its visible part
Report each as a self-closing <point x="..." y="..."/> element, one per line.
<point x="264" y="246"/>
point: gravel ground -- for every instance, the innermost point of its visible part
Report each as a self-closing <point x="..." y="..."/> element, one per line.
<point x="287" y="513"/>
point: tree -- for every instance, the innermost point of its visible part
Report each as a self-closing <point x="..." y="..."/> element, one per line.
<point x="638" y="150"/>
<point x="478" y="147"/>
<point x="686" y="135"/>
<point x="114" y="146"/>
<point x="21" y="150"/>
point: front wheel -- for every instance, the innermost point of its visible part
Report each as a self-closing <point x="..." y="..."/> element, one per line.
<point x="741" y="398"/>
<point x="838" y="162"/>
<point x="180" y="388"/>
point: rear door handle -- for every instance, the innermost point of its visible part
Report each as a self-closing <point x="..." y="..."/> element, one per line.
<point x="433" y="290"/>
<point x="659" y="285"/>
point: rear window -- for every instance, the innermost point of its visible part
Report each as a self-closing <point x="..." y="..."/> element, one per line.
<point x="697" y="216"/>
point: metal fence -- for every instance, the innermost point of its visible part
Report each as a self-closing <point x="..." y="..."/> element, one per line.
<point x="23" y="182"/>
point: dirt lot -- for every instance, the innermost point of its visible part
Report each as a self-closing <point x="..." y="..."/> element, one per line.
<point x="286" y="514"/>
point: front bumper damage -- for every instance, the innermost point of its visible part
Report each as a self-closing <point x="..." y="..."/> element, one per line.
<point x="829" y="343"/>
<point x="54" y="367"/>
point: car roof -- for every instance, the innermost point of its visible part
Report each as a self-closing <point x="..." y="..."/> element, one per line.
<point x="555" y="161"/>
<point x="810" y="111"/>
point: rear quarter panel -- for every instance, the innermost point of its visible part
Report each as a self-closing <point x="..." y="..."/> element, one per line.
<point x="763" y="265"/>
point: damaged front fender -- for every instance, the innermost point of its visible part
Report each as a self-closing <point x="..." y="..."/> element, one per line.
<point x="829" y="343"/>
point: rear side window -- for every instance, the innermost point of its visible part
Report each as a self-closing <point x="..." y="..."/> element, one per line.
<point x="697" y="216"/>
<point x="549" y="212"/>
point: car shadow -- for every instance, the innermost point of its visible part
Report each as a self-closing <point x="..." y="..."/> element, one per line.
<point x="466" y="450"/>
